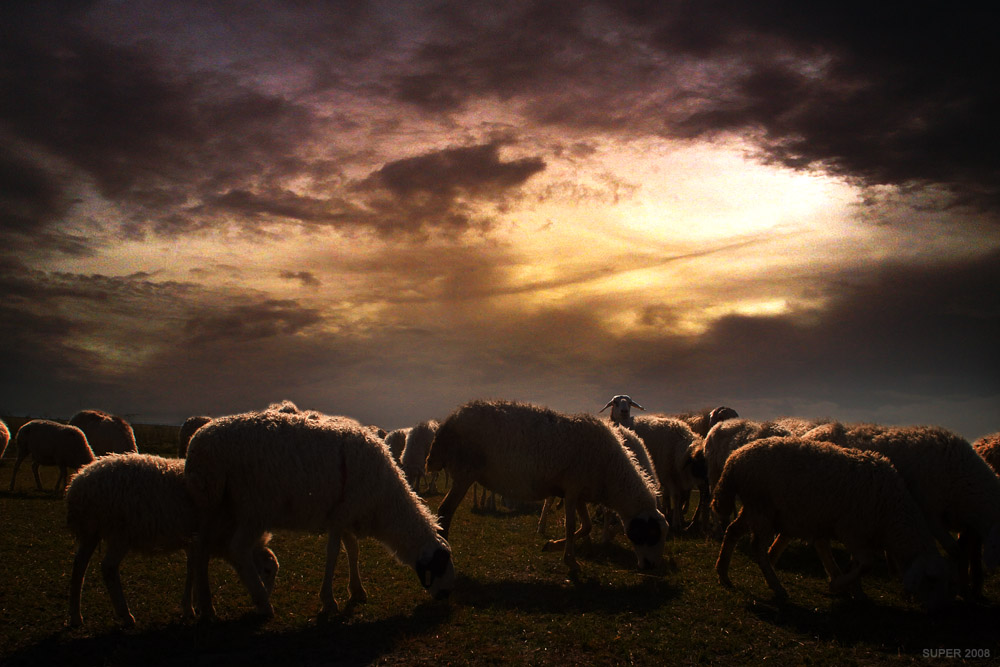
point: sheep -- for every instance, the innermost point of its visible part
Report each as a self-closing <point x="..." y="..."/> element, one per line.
<point x="641" y="454"/>
<point x="529" y="452"/>
<point x="722" y="440"/>
<point x="954" y="487"/>
<point x="702" y="422"/>
<point x="671" y="443"/>
<point x="190" y="425"/>
<point x="279" y="470"/>
<point x="988" y="447"/>
<point x="414" y="456"/>
<point x="821" y="492"/>
<point x="51" y="444"/>
<point x="105" y="432"/>
<point x="4" y="439"/>
<point x="396" y="441"/>
<point x="138" y="502"/>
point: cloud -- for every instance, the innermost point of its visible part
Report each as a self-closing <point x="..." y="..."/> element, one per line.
<point x="307" y="278"/>
<point x="250" y="322"/>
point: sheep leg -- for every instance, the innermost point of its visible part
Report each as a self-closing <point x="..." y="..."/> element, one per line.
<point x="110" y="570"/>
<point x="17" y="464"/>
<point x="543" y="519"/>
<point x="356" y="588"/>
<point x="733" y="533"/>
<point x="778" y="547"/>
<point x="759" y="549"/>
<point x="452" y="499"/>
<point x="826" y="557"/>
<point x="971" y="577"/>
<point x="84" y="550"/>
<point x="568" y="552"/>
<point x="38" y="480"/>
<point x="863" y="560"/>
<point x="326" y="590"/>
<point x="61" y="481"/>
<point x="583" y="531"/>
<point x="197" y="572"/>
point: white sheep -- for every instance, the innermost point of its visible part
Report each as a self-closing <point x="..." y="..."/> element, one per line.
<point x="671" y="444"/>
<point x="821" y="492"/>
<point x="50" y="443"/>
<point x="988" y="447"/>
<point x="528" y="452"/>
<point x="4" y="439"/>
<point x="139" y="502"/>
<point x="279" y="470"/>
<point x="105" y="432"/>
<point x="413" y="460"/>
<point x="190" y="425"/>
<point x="396" y="440"/>
<point x="954" y="487"/>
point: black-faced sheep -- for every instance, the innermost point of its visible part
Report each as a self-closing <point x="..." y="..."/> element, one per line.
<point x="821" y="492"/>
<point x="106" y="433"/>
<point x="50" y="443"/>
<point x="137" y="502"/>
<point x="527" y="452"/>
<point x="190" y="425"/>
<point x="954" y="487"/>
<point x="988" y="447"/>
<point x="702" y="422"/>
<point x="280" y="470"/>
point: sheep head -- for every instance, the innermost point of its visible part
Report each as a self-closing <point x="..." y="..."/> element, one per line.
<point x="621" y="408"/>
<point x="436" y="571"/>
<point x="648" y="533"/>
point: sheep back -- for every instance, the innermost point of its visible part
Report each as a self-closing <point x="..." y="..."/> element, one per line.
<point x="105" y="432"/>
<point x="53" y="444"/>
<point x="988" y="447"/>
<point x="413" y="458"/>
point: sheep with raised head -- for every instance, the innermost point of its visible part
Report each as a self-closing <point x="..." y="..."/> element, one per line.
<point x="821" y="492"/>
<point x="190" y="425"/>
<point x="50" y="443"/>
<point x="4" y="439"/>
<point x="139" y="502"/>
<point x="954" y="487"/>
<point x="106" y="433"/>
<point x="278" y="470"/>
<point x="528" y="452"/>
<point x="413" y="460"/>
<point x="988" y="447"/>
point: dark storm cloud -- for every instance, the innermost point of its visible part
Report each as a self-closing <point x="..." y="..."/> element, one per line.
<point x="307" y="278"/>
<point x="250" y="322"/>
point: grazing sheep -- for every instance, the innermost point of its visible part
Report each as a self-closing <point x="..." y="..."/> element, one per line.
<point x="987" y="447"/>
<point x="528" y="452"/>
<point x="954" y="487"/>
<point x="51" y="444"/>
<point x="820" y="492"/>
<point x="280" y="470"/>
<point x="138" y="502"/>
<point x="413" y="460"/>
<point x="671" y="443"/>
<point x="396" y="441"/>
<point x="190" y="425"/>
<point x="4" y="439"/>
<point x="106" y="433"/>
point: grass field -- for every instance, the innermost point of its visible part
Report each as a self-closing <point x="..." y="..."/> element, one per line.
<point x="512" y="604"/>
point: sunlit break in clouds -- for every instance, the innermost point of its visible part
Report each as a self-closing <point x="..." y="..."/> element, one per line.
<point x="387" y="209"/>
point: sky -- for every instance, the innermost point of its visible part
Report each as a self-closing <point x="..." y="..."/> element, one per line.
<point x="387" y="209"/>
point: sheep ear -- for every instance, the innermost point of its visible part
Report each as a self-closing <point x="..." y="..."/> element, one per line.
<point x="610" y="403"/>
<point x="635" y="405"/>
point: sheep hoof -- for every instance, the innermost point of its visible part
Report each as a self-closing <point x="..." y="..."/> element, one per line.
<point x="553" y="545"/>
<point x="128" y="622"/>
<point x="76" y="622"/>
<point x="725" y="581"/>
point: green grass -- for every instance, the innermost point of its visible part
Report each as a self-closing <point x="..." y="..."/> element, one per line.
<point x="512" y="604"/>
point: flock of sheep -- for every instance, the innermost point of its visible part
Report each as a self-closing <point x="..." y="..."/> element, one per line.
<point x="902" y="493"/>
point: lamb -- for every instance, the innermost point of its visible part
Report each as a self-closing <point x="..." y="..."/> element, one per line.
<point x="190" y="425"/>
<point x="4" y="439"/>
<point x="280" y="470"/>
<point x="821" y="492"/>
<point x="50" y="443"/>
<point x="138" y="502"/>
<point x="396" y="441"/>
<point x="528" y="452"/>
<point x="954" y="487"/>
<point x="987" y="447"/>
<point x="414" y="456"/>
<point x="105" y="432"/>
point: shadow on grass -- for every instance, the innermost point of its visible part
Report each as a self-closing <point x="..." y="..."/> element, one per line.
<point x="890" y="629"/>
<point x="244" y="641"/>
